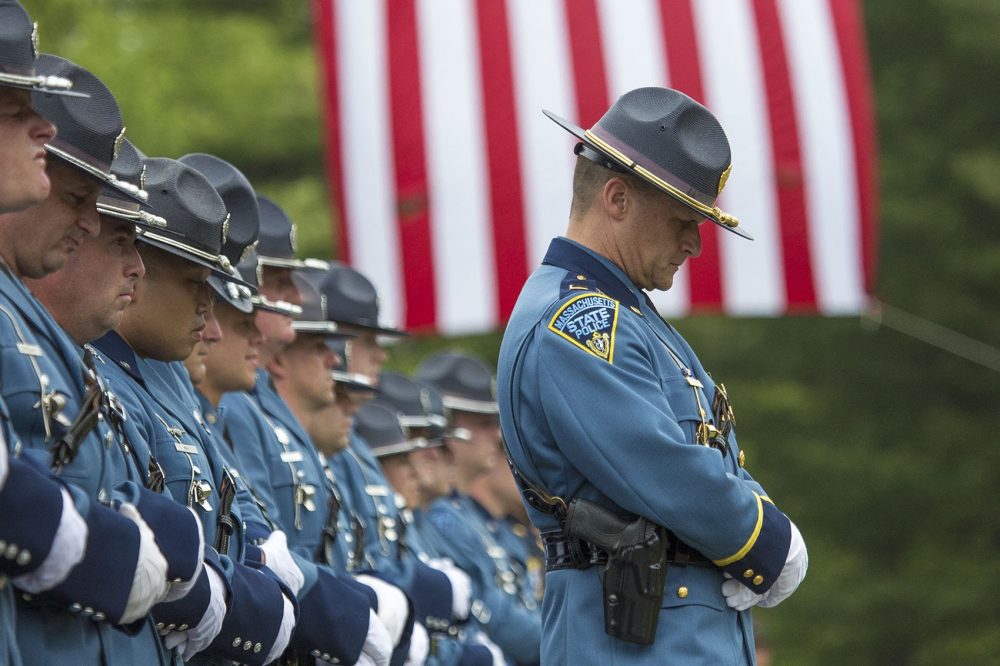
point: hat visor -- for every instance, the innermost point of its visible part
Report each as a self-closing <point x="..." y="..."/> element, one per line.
<point x="353" y="381"/>
<point x="192" y="254"/>
<point x="399" y="448"/>
<point x="97" y="171"/>
<point x="53" y="85"/>
<point x="324" y="328"/>
<point x="261" y="302"/>
<point x="630" y="168"/>
<point x="281" y="262"/>
<point x="458" y="404"/>
<point x="235" y="295"/>
<point x="387" y="331"/>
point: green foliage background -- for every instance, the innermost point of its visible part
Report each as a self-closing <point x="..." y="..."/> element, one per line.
<point x="883" y="449"/>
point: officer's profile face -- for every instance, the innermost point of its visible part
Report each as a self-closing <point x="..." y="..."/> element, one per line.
<point x="211" y="335"/>
<point x="168" y="312"/>
<point x="88" y="297"/>
<point x="367" y="355"/>
<point x="302" y="373"/>
<point x="434" y="474"/>
<point x="37" y="241"/>
<point x="330" y="427"/>
<point x="277" y="284"/>
<point x="478" y="454"/>
<point x="231" y="363"/>
<point x="402" y="477"/>
<point x="23" y="135"/>
<point x="657" y="236"/>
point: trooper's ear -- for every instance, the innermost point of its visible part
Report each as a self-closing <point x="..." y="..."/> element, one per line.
<point x="278" y="366"/>
<point x="617" y="197"/>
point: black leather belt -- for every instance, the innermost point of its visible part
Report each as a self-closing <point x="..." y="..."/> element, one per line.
<point x="563" y="552"/>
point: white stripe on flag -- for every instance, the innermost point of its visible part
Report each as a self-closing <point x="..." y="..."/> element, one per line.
<point x="752" y="281"/>
<point x="828" y="158"/>
<point x="543" y="79"/>
<point x="369" y="190"/>
<point x="456" y="161"/>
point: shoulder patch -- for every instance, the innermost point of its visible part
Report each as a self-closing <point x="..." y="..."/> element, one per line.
<point x="588" y="321"/>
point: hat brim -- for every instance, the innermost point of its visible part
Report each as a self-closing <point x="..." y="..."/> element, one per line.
<point x="189" y="253"/>
<point x="325" y="328"/>
<point x="99" y="173"/>
<point x="354" y="381"/>
<point x="457" y="404"/>
<point x="234" y="294"/>
<point x="261" y="302"/>
<point x="378" y="330"/>
<point x="629" y="167"/>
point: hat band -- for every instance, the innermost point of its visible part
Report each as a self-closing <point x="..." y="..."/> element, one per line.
<point x="469" y="405"/>
<point x="94" y="167"/>
<point x="37" y="81"/>
<point x="315" y="326"/>
<point x="354" y="378"/>
<point x="281" y="307"/>
<point x="401" y="447"/>
<point x="128" y="210"/>
<point x="661" y="180"/>
<point x="201" y="254"/>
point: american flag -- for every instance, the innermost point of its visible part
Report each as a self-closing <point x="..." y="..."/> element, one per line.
<point x="449" y="182"/>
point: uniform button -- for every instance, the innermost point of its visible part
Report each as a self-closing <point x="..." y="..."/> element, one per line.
<point x="757" y="580"/>
<point x="3" y="545"/>
<point x="98" y="617"/>
<point x="24" y="558"/>
<point x="682" y="592"/>
<point x="325" y="656"/>
<point x="247" y="645"/>
<point x="257" y="648"/>
<point x="171" y="626"/>
<point x="748" y="573"/>
<point x="27" y="597"/>
<point x="183" y="627"/>
<point x="12" y="551"/>
<point x="75" y="607"/>
<point x="315" y="653"/>
<point x="159" y="625"/>
<point x="87" y="610"/>
<point x="743" y="459"/>
<point x="237" y="641"/>
<point x="3" y="581"/>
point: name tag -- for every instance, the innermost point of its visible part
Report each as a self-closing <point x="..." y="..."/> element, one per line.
<point x="185" y="448"/>
<point x="377" y="491"/>
<point x="29" y="349"/>
<point x="291" y="456"/>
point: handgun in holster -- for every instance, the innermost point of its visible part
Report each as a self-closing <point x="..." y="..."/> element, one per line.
<point x="635" y="573"/>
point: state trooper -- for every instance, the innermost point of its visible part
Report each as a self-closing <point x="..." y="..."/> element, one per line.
<point x="335" y="622"/>
<point x="141" y="357"/>
<point x="507" y="612"/>
<point x="608" y="414"/>
<point x="59" y="409"/>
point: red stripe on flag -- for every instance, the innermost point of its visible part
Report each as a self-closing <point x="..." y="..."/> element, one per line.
<point x="848" y="24"/>
<point x="504" y="162"/>
<point x="788" y="166"/>
<point x="684" y="64"/>
<point x="412" y="193"/>
<point x="325" y="35"/>
<point x="587" y="53"/>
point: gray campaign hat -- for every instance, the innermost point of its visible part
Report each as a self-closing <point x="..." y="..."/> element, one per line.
<point x="379" y="426"/>
<point x="353" y="300"/>
<point x="244" y="223"/>
<point x="276" y="246"/>
<point x="465" y="383"/>
<point x="250" y="270"/>
<point x="91" y="130"/>
<point x="413" y="401"/>
<point x="195" y="218"/>
<point x="19" y="50"/>
<point x="315" y="317"/>
<point x="128" y="166"/>
<point x="667" y="139"/>
<point x="352" y="381"/>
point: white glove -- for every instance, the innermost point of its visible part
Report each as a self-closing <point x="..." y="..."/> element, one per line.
<point x="461" y="587"/>
<point x="180" y="589"/>
<point x="192" y="641"/>
<point x="279" y="560"/>
<point x="740" y="597"/>
<point x="420" y="646"/>
<point x="377" y="649"/>
<point x="149" y="584"/>
<point x="68" y="548"/>
<point x="791" y="574"/>
<point x="393" y="607"/>
<point x="498" y="658"/>
<point x="284" y="632"/>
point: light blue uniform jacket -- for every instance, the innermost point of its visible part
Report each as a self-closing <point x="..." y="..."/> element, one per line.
<point x="595" y="402"/>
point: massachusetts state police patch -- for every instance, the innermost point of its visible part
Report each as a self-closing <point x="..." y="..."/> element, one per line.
<point x="589" y="322"/>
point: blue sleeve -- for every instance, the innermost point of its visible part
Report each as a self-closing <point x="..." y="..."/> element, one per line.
<point x="333" y="619"/>
<point x="248" y="439"/>
<point x="644" y="462"/>
<point x="31" y="506"/>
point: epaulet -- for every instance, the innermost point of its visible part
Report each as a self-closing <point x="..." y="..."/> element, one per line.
<point x="588" y="320"/>
<point x="575" y="283"/>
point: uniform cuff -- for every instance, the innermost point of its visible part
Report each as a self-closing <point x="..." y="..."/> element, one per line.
<point x="333" y="619"/>
<point x="758" y="563"/>
<point x="31" y="505"/>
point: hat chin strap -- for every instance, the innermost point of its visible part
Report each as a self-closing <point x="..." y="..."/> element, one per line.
<point x="584" y="150"/>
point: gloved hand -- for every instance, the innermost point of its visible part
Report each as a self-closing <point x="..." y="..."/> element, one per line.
<point x="179" y="590"/>
<point x="279" y="560"/>
<point x="461" y="587"/>
<point x="420" y="646"/>
<point x="791" y="574"/>
<point x="284" y="632"/>
<point x="67" y="550"/>
<point x="495" y="651"/>
<point x="192" y="641"/>
<point x="149" y="584"/>
<point x="393" y="606"/>
<point x="377" y="649"/>
<point x="740" y="597"/>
